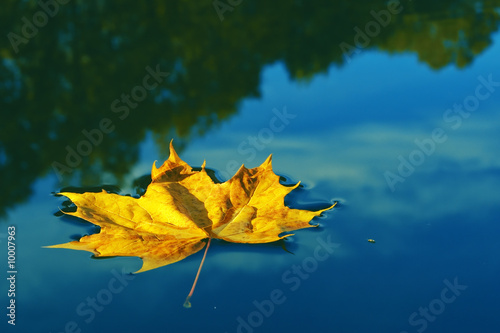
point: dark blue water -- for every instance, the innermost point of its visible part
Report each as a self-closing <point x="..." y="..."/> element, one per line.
<point x="403" y="134"/>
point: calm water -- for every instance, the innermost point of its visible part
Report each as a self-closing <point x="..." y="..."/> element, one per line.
<point x="390" y="109"/>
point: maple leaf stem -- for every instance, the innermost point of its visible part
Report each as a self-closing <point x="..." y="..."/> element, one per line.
<point x="187" y="304"/>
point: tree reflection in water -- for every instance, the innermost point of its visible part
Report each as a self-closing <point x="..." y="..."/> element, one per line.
<point x="82" y="76"/>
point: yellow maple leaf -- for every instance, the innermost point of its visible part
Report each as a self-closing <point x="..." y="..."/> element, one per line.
<point x="183" y="208"/>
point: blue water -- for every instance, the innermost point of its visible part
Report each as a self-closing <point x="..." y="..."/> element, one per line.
<point x="378" y="135"/>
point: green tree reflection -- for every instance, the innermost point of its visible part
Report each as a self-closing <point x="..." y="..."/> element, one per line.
<point x="66" y="77"/>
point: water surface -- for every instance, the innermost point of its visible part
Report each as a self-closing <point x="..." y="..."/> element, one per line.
<point x="402" y="132"/>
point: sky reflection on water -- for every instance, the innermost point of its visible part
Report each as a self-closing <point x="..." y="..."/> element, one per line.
<point x="346" y="128"/>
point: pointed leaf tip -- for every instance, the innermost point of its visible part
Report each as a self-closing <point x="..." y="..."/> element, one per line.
<point x="268" y="162"/>
<point x="173" y="154"/>
<point x="154" y="170"/>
